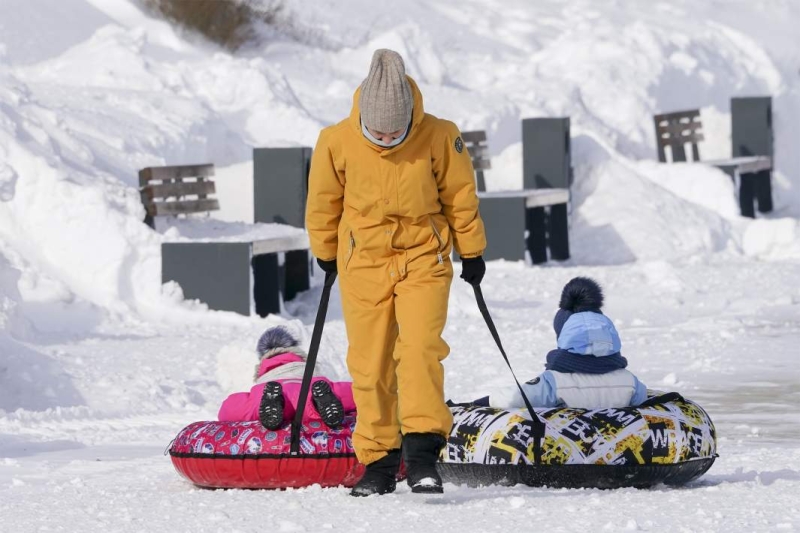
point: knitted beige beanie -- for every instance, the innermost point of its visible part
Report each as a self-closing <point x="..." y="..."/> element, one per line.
<point x="386" y="101"/>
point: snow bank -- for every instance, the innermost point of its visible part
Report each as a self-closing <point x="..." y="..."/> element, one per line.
<point x="72" y="222"/>
<point x="116" y="91"/>
<point x="30" y="378"/>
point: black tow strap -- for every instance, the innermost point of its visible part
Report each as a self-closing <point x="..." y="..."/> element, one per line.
<point x="311" y="361"/>
<point x="538" y="424"/>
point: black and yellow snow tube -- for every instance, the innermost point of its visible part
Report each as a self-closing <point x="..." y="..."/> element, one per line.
<point x="667" y="440"/>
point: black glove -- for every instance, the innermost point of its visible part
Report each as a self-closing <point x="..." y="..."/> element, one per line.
<point x="473" y="269"/>
<point x="329" y="267"/>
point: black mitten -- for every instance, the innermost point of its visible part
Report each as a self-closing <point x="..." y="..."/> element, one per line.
<point x="473" y="269"/>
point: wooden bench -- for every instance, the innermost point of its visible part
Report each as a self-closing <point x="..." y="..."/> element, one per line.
<point x="253" y="272"/>
<point x="674" y="131"/>
<point x="176" y="190"/>
<point x="532" y="220"/>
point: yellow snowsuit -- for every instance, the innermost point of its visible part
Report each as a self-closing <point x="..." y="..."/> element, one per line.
<point x="390" y="216"/>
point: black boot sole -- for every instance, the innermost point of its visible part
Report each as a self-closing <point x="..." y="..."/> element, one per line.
<point x="380" y="477"/>
<point x="364" y="491"/>
<point x="428" y="489"/>
<point x="327" y="404"/>
<point x="270" y="411"/>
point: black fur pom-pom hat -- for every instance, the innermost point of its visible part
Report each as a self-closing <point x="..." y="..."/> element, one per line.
<point x="587" y="339"/>
<point x="578" y="296"/>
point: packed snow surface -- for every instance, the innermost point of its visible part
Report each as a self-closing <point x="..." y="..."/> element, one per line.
<point x="101" y="365"/>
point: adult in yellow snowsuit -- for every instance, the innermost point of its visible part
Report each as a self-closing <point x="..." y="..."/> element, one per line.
<point x="391" y="190"/>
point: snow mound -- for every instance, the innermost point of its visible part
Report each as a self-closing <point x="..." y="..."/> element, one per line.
<point x="119" y="90"/>
<point x="772" y="239"/>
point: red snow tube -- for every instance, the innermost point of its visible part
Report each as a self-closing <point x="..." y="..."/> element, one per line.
<point x="246" y="455"/>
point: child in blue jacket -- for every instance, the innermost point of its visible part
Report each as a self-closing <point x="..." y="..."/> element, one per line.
<point x="586" y="370"/>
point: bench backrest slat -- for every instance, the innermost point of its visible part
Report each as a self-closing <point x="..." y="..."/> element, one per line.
<point x="676" y="130"/>
<point x="479" y="153"/>
<point x="149" y="174"/>
<point x="473" y="137"/>
<point x="183" y="207"/>
<point x="478" y="150"/>
<point x="164" y="190"/>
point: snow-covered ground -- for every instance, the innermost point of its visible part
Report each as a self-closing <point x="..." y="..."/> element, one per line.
<point x="100" y="365"/>
<point x="94" y="460"/>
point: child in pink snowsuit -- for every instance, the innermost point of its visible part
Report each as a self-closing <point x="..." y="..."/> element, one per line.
<point x="279" y="373"/>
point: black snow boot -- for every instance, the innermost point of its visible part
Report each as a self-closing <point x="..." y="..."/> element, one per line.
<point x="420" y="453"/>
<point x="380" y="477"/>
<point x="270" y="412"/>
<point x="327" y="404"/>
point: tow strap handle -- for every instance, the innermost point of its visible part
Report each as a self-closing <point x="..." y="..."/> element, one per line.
<point x="538" y="423"/>
<point x="311" y="361"/>
<point x="662" y="399"/>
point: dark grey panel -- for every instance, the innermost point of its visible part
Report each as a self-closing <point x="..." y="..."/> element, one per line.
<point x="280" y="184"/>
<point x="747" y="195"/>
<point x="546" y="157"/>
<point x="558" y="232"/>
<point x="267" y="284"/>
<point x="217" y="274"/>
<point x="751" y="126"/>
<point x="536" y="224"/>
<point x="504" y="219"/>
<point x="763" y="191"/>
<point x="751" y="134"/>
<point x="296" y="273"/>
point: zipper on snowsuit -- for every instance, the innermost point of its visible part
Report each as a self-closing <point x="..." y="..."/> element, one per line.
<point x="350" y="249"/>
<point x="438" y="238"/>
